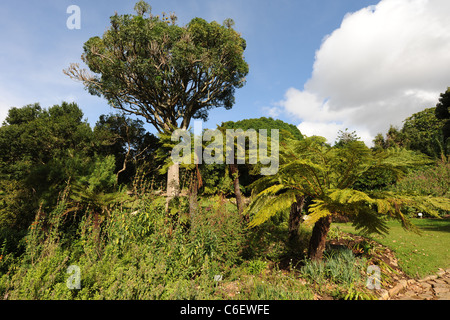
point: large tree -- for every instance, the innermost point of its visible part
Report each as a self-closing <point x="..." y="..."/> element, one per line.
<point x="168" y="74"/>
<point x="40" y="151"/>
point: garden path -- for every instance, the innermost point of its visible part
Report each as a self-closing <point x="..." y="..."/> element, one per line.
<point x="435" y="287"/>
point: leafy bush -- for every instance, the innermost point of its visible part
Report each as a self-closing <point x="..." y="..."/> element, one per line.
<point x="256" y="267"/>
<point x="140" y="254"/>
<point x="431" y="181"/>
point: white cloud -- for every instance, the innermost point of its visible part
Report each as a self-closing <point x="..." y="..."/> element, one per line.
<point x="327" y="130"/>
<point x="273" y="112"/>
<point x="384" y="63"/>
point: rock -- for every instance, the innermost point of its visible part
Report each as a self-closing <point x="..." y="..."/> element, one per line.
<point x="444" y="296"/>
<point x="426" y="296"/>
<point x="440" y="281"/>
<point x="384" y="294"/>
<point x="440" y="286"/>
<point x="441" y="273"/>
<point x="426" y="285"/>
<point x="441" y="290"/>
<point x="399" y="287"/>
<point x="406" y="297"/>
<point x="428" y="278"/>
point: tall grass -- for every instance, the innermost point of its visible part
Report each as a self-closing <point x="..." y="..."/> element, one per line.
<point x="338" y="266"/>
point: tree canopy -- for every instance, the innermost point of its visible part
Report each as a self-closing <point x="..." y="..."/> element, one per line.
<point x="422" y="131"/>
<point x="286" y="130"/>
<point x="168" y="74"/>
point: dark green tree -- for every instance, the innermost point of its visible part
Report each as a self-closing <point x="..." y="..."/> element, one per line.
<point x="129" y="142"/>
<point x="443" y="112"/>
<point x="40" y="152"/>
<point x="394" y="138"/>
<point x="423" y="132"/>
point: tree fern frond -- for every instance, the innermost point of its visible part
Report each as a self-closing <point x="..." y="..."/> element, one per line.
<point x="263" y="183"/>
<point x="272" y="206"/>
<point x="305" y="174"/>
<point x="318" y="210"/>
<point x="402" y="158"/>
<point x="261" y="198"/>
<point x="368" y="221"/>
<point x="438" y="202"/>
<point x="349" y="196"/>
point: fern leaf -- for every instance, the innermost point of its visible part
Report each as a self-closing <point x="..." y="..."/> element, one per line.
<point x="349" y="196"/>
<point x="272" y="206"/>
<point x="317" y="210"/>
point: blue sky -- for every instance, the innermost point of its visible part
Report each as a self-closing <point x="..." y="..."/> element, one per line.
<point x="323" y="65"/>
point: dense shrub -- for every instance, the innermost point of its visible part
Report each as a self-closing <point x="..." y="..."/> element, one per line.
<point x="431" y="181"/>
<point x="139" y="254"/>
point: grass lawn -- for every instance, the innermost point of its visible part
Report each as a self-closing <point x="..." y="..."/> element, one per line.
<point x="418" y="254"/>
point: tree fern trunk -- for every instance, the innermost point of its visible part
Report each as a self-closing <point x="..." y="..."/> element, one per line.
<point x="318" y="238"/>
<point x="193" y="193"/>
<point x="295" y="215"/>
<point x="173" y="183"/>
<point x="237" y="190"/>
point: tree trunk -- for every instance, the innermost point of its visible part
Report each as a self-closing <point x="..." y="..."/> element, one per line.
<point x="173" y="183"/>
<point x="318" y="238"/>
<point x="237" y="190"/>
<point x="295" y="215"/>
<point x="193" y="192"/>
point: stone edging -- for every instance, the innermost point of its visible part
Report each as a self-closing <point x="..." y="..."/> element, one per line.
<point x="404" y="284"/>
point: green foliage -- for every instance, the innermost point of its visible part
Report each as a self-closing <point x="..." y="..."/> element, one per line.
<point x="429" y="181"/>
<point x="424" y="132"/>
<point x="256" y="267"/>
<point x="248" y="173"/>
<point x="340" y="267"/>
<point x="139" y="254"/>
<point x="281" y="287"/>
<point x="216" y="180"/>
<point x="40" y="151"/>
<point x="286" y="130"/>
<point x="327" y="175"/>
<point x="96" y="191"/>
<point x="149" y="66"/>
<point x="443" y="112"/>
<point x="345" y="137"/>
<point x="130" y="144"/>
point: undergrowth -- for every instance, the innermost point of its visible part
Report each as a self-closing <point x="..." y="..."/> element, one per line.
<point x="140" y="252"/>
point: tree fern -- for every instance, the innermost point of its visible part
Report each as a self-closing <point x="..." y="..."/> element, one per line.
<point x="271" y="205"/>
<point x="327" y="174"/>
